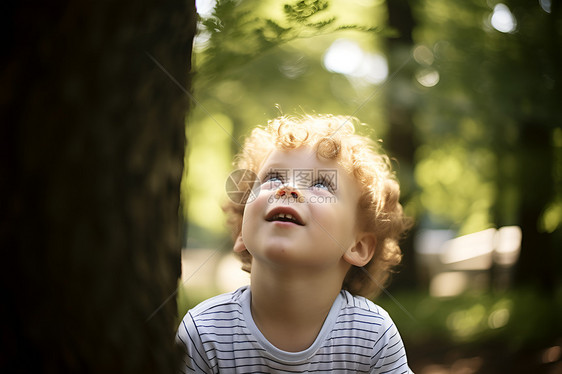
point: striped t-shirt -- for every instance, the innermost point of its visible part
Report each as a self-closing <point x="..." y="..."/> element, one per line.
<point x="219" y="335"/>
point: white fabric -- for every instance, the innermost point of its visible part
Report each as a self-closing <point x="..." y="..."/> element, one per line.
<point x="219" y="335"/>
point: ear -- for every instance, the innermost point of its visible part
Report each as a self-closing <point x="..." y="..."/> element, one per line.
<point x="362" y="251"/>
<point x="239" y="244"/>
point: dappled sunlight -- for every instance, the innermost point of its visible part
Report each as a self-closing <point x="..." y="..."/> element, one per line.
<point x="208" y="166"/>
<point x="346" y="57"/>
<point x="423" y="55"/>
<point x="343" y="57"/>
<point x="467" y="322"/>
<point x="454" y="187"/>
<point x="427" y="77"/>
<point x="450" y="283"/>
<point x="205" y="7"/>
<point x="502" y="19"/>
<point x="498" y="318"/>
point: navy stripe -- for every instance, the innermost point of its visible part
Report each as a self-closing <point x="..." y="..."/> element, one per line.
<point x="230" y="342"/>
<point x="194" y="345"/>
<point x="222" y="327"/>
<point x="393" y="345"/>
<point x="206" y="313"/>
<point x="366" y="347"/>
<point x="388" y="371"/>
<point x="358" y="329"/>
<point x="219" y="319"/>
<point x="400" y="349"/>
<point x="351" y="338"/>
<point x="390" y="363"/>
<point x="341" y="353"/>
<point x="383" y="334"/>
<point x="236" y="350"/>
<point x="370" y="315"/>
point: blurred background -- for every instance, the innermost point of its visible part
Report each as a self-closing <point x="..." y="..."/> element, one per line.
<point x="466" y="98"/>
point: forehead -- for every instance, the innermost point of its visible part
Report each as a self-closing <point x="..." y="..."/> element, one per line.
<point x="302" y="157"/>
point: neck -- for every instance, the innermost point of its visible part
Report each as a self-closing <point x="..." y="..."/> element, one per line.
<point x="290" y="308"/>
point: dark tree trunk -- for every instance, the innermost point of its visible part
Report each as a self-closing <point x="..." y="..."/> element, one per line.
<point x="92" y="135"/>
<point x="538" y="181"/>
<point x="537" y="264"/>
<point x="400" y="139"/>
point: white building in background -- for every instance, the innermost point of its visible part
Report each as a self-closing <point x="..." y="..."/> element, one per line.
<point x="454" y="265"/>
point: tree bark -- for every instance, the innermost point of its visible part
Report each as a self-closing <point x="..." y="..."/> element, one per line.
<point x="93" y="135"/>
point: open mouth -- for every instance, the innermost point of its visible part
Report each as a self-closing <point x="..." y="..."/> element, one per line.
<point x="282" y="215"/>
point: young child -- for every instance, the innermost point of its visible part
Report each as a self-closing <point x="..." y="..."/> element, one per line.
<point x="321" y="235"/>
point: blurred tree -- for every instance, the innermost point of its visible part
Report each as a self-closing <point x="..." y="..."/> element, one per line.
<point x="92" y="137"/>
<point x="489" y="119"/>
<point x="400" y="110"/>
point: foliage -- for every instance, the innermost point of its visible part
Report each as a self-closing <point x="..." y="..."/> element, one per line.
<point x="240" y="32"/>
<point x="252" y="58"/>
<point x="517" y="318"/>
<point x="495" y="111"/>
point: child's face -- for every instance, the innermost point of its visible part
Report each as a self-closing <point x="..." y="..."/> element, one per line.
<point x="322" y="200"/>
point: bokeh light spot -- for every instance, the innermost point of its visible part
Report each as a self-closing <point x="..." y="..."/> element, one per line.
<point x="427" y="77"/>
<point x="546" y="5"/>
<point x="502" y="19"/>
<point x="423" y="55"/>
<point x="498" y="318"/>
<point x="205" y="8"/>
<point x="343" y="57"/>
<point x="346" y="57"/>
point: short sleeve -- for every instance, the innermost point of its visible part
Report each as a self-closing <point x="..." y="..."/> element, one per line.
<point x="389" y="353"/>
<point x="194" y="360"/>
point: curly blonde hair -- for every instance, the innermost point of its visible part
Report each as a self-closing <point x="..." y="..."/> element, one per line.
<point x="379" y="209"/>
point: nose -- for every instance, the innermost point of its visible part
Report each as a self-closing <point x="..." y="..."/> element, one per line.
<point x="288" y="191"/>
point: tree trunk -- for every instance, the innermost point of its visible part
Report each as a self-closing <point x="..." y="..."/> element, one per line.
<point x="92" y="135"/>
<point x="400" y="139"/>
<point x="537" y="264"/>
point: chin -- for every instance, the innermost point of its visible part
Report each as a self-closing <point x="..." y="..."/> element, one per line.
<point x="278" y="252"/>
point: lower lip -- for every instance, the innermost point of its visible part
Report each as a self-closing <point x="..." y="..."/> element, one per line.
<point x="283" y="223"/>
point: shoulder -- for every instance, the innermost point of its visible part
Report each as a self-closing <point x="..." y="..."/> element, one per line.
<point x="364" y="309"/>
<point x="374" y="323"/>
<point x="214" y="312"/>
<point x="363" y="319"/>
<point x="224" y="303"/>
<point x="388" y="353"/>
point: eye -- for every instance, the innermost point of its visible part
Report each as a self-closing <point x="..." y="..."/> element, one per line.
<point x="272" y="180"/>
<point x="320" y="185"/>
<point x="323" y="184"/>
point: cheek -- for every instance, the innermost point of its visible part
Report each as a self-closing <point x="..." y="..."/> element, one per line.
<point x="253" y="213"/>
<point x="338" y="221"/>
